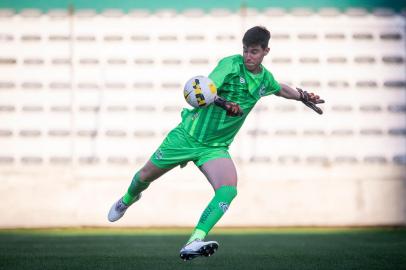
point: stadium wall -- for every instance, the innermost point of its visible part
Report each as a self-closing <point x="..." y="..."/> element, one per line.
<point x="86" y="97"/>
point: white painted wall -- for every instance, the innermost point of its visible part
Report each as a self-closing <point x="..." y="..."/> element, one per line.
<point x="267" y="196"/>
<point x="85" y="100"/>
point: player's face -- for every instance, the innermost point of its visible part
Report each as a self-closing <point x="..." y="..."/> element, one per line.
<point x="253" y="56"/>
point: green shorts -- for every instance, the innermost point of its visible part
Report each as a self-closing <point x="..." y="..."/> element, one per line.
<point x="179" y="147"/>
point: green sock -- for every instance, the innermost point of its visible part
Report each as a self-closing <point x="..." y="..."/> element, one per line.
<point x="214" y="211"/>
<point x="135" y="188"/>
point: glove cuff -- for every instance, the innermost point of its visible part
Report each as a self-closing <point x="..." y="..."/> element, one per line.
<point x="303" y="94"/>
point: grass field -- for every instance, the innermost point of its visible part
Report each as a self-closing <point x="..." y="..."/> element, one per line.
<point x="137" y="249"/>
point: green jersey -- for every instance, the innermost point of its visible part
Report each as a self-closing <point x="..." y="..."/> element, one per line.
<point x="210" y="125"/>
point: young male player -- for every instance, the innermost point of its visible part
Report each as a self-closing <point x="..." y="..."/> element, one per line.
<point x="205" y="134"/>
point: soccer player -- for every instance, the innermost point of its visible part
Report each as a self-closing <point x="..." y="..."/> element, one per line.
<point x="204" y="135"/>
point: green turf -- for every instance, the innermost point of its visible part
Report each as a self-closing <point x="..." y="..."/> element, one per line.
<point x="239" y="249"/>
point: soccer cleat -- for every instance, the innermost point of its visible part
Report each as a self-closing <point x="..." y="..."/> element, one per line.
<point x="198" y="248"/>
<point x="118" y="209"/>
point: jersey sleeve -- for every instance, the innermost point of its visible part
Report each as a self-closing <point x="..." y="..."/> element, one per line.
<point x="223" y="71"/>
<point x="273" y="86"/>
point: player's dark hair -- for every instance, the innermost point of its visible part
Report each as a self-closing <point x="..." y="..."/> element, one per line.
<point x="257" y="35"/>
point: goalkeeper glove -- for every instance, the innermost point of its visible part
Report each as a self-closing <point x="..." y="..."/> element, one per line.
<point x="232" y="109"/>
<point x="310" y="100"/>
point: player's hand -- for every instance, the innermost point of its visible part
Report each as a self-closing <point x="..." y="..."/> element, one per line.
<point x="232" y="108"/>
<point x="310" y="100"/>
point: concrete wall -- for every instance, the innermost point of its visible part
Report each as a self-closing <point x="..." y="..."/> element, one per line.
<point x="268" y="196"/>
<point x="87" y="97"/>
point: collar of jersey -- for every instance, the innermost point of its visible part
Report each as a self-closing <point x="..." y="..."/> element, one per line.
<point x="248" y="75"/>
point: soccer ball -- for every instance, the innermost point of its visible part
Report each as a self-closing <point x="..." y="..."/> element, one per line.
<point x="199" y="91"/>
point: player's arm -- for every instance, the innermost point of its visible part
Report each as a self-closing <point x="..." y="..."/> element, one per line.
<point x="232" y="108"/>
<point x="224" y="70"/>
<point x="309" y="99"/>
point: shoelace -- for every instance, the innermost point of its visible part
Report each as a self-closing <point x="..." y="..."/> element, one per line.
<point x="121" y="206"/>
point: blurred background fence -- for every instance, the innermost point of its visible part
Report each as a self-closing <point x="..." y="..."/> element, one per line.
<point x="87" y="95"/>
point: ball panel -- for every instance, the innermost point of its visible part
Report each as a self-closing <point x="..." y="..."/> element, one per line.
<point x="199" y="91"/>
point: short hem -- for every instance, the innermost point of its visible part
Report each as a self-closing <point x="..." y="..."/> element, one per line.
<point x="160" y="166"/>
<point x="201" y="162"/>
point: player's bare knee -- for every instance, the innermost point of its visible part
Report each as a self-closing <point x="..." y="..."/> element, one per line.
<point x="146" y="174"/>
<point x="150" y="172"/>
<point x="218" y="184"/>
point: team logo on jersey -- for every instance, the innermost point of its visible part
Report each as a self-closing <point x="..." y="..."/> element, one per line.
<point x="242" y="80"/>
<point x="262" y="90"/>
<point x="159" y="154"/>
<point x="223" y="206"/>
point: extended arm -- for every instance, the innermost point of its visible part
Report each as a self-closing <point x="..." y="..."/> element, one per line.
<point x="309" y="99"/>
<point x="288" y="92"/>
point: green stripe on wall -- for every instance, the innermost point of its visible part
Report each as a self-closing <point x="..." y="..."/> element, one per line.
<point x="180" y="5"/>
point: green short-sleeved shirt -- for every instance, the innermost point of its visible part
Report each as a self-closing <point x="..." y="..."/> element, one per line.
<point x="210" y="125"/>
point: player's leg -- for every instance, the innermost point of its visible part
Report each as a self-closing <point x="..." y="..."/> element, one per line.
<point x="168" y="155"/>
<point x="141" y="180"/>
<point x="222" y="175"/>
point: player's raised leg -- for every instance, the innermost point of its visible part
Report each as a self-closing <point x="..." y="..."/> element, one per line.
<point x="222" y="175"/>
<point x="139" y="183"/>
